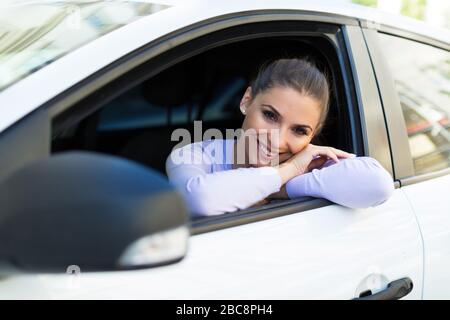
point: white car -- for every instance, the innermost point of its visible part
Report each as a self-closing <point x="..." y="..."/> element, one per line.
<point x="86" y="85"/>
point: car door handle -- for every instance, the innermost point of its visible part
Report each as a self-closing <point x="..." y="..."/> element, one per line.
<point x="394" y="291"/>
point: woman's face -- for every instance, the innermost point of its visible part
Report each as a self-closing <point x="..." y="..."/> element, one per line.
<point x="283" y="122"/>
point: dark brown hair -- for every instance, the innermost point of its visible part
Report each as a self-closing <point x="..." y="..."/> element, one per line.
<point x="299" y="74"/>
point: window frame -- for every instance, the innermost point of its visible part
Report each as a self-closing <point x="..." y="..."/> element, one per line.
<point x="395" y="120"/>
<point x="373" y="123"/>
<point x="272" y="210"/>
<point x="346" y="42"/>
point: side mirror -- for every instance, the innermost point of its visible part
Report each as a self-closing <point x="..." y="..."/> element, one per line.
<point x="97" y="212"/>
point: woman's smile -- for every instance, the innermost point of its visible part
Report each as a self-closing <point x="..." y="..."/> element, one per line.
<point x="269" y="154"/>
<point x="265" y="152"/>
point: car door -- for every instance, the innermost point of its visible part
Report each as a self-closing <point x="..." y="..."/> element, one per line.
<point x="415" y="87"/>
<point x="298" y="249"/>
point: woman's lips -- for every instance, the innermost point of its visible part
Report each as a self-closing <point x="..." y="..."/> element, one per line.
<point x="265" y="153"/>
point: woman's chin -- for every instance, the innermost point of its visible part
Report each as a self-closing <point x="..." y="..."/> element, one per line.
<point x="258" y="161"/>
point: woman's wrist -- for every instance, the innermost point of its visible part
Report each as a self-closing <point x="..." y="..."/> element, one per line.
<point x="287" y="171"/>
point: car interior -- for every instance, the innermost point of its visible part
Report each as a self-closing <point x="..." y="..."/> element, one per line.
<point x="137" y="124"/>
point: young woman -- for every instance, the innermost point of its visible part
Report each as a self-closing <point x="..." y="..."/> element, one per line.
<point x="284" y="107"/>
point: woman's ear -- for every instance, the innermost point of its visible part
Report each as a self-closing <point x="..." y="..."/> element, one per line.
<point x="246" y="100"/>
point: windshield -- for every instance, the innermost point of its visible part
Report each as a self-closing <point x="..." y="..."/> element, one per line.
<point x="33" y="34"/>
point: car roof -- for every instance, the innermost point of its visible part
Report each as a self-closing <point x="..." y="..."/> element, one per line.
<point x="60" y="75"/>
<point x="374" y="16"/>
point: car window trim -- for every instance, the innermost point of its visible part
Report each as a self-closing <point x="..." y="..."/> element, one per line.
<point x="90" y="85"/>
<point x="424" y="177"/>
<point x="373" y="123"/>
<point x="405" y="34"/>
<point x="261" y="213"/>
<point x="200" y="225"/>
<point x="394" y="118"/>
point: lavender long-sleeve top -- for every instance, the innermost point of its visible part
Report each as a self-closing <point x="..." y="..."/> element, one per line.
<point x="203" y="172"/>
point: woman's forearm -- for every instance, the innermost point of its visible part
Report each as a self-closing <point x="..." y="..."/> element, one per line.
<point x="226" y="191"/>
<point x="359" y="182"/>
<point x="211" y="189"/>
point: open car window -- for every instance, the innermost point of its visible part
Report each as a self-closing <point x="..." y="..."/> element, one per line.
<point x="138" y="123"/>
<point x="422" y="81"/>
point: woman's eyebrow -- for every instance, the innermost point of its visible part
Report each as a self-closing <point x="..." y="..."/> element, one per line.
<point x="279" y="115"/>
<point x="273" y="109"/>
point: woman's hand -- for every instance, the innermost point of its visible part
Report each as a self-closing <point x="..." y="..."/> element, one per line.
<point x="310" y="157"/>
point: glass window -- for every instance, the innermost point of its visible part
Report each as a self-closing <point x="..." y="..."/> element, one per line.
<point x="34" y="34"/>
<point x="422" y="79"/>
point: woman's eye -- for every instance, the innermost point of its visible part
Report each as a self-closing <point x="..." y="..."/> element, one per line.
<point x="300" y="131"/>
<point x="270" y="115"/>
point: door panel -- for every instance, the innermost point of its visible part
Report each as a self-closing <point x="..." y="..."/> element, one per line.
<point x="431" y="203"/>
<point x="326" y="253"/>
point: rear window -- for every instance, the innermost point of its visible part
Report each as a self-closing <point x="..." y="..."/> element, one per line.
<point x="33" y="34"/>
<point x="422" y="81"/>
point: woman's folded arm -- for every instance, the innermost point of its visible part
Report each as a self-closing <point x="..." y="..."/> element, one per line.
<point x="226" y="191"/>
<point x="212" y="188"/>
<point x="212" y="193"/>
<point x="358" y="182"/>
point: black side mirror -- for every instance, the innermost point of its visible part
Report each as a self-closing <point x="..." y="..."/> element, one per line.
<point x="94" y="211"/>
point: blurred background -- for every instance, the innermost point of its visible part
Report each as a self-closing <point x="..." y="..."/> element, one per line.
<point x="434" y="12"/>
